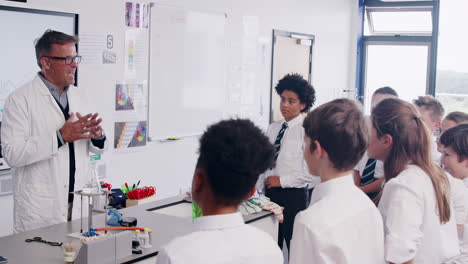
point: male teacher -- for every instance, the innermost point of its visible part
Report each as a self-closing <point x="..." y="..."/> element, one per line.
<point x="47" y="134"/>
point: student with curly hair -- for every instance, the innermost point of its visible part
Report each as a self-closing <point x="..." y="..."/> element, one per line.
<point x="232" y="155"/>
<point x="287" y="182"/>
<point x="416" y="202"/>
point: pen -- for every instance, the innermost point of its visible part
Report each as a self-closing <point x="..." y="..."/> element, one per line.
<point x="173" y="138"/>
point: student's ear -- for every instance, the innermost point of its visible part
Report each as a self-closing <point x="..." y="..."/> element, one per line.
<point x="466" y="163"/>
<point x="251" y="193"/>
<point x="302" y="106"/>
<point x="387" y="140"/>
<point x="319" y="150"/>
<point x="437" y="124"/>
<point x="198" y="182"/>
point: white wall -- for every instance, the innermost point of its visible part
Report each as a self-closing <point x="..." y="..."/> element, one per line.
<point x="169" y="166"/>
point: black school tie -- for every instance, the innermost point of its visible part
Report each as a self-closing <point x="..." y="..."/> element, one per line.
<point x="368" y="173"/>
<point x="278" y="139"/>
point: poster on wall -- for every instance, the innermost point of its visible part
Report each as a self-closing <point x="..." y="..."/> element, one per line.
<point x="136" y="53"/>
<point x="130" y="97"/>
<point x="131" y="115"/>
<point x="136" y="15"/>
<point x="97" y="49"/>
<point x="130" y="134"/>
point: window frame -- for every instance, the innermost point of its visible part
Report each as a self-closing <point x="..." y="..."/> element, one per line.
<point x="371" y="10"/>
<point x="398" y="38"/>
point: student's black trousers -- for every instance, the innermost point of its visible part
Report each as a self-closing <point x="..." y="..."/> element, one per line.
<point x="293" y="200"/>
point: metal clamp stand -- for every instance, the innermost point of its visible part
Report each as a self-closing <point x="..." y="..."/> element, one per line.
<point x="106" y="248"/>
<point x="91" y="196"/>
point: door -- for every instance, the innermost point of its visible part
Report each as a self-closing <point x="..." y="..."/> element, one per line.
<point x="292" y="53"/>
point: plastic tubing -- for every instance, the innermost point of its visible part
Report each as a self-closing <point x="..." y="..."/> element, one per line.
<point x="120" y="228"/>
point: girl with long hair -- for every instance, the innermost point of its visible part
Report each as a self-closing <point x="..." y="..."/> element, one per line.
<point x="416" y="200"/>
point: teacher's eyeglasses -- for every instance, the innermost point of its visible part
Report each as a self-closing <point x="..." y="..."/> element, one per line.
<point x="68" y="60"/>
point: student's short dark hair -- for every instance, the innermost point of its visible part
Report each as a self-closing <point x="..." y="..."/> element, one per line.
<point x="457" y="139"/>
<point x="43" y="45"/>
<point x="340" y="128"/>
<point x="233" y="153"/>
<point x="386" y="90"/>
<point x="296" y="83"/>
<point x="457" y="117"/>
<point x="432" y="104"/>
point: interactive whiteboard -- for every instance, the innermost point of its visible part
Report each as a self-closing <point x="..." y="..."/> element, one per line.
<point x="187" y="71"/>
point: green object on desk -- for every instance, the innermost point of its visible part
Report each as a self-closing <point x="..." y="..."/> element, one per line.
<point x="196" y="210"/>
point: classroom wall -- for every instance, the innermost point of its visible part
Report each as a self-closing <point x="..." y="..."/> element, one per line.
<point x="169" y="165"/>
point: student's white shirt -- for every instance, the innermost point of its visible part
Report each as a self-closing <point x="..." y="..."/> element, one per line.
<point x="460" y="200"/>
<point x="379" y="170"/>
<point x="464" y="236"/>
<point x="222" y="239"/>
<point x="341" y="225"/>
<point x="412" y="225"/>
<point x="290" y="165"/>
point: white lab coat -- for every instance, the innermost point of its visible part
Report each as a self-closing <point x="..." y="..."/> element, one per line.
<point x="41" y="170"/>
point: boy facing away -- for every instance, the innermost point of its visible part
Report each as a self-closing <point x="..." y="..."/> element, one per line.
<point x="232" y="155"/>
<point x="341" y="225"/>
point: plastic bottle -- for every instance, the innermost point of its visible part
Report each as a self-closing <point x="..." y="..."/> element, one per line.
<point x="92" y="185"/>
<point x="94" y="179"/>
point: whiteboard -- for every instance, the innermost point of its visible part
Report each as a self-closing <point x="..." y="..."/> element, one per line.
<point x="19" y="28"/>
<point x="187" y="71"/>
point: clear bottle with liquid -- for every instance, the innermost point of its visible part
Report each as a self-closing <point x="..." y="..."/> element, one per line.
<point x="92" y="185"/>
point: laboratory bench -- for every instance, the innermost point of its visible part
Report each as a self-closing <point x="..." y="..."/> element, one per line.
<point x="168" y="218"/>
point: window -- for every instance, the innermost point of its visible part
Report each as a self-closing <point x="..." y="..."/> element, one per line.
<point x="452" y="59"/>
<point x="396" y="21"/>
<point x="397" y="48"/>
<point x="402" y="67"/>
